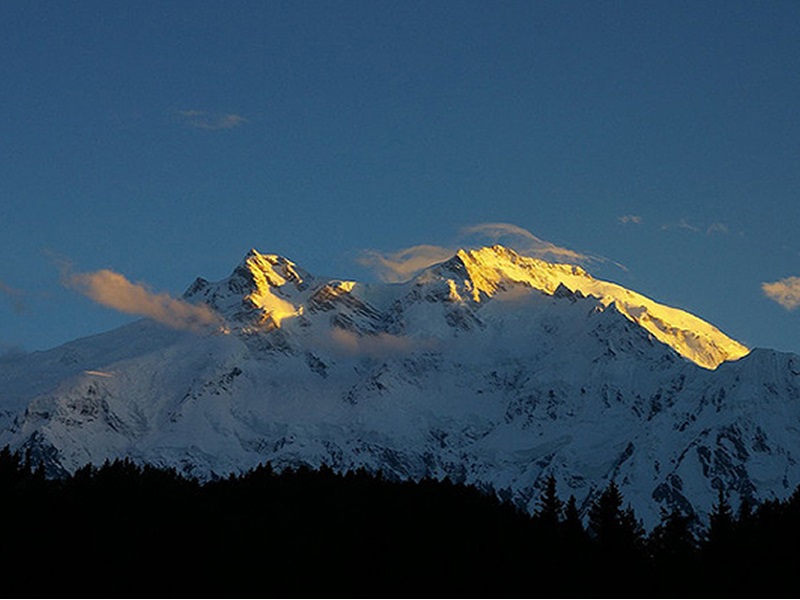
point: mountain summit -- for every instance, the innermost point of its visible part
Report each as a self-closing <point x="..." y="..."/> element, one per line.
<point x="490" y="368"/>
<point x="259" y="290"/>
<point x="492" y="269"/>
<point x="265" y="289"/>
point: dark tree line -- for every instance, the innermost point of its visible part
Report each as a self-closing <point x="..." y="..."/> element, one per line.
<point x="124" y="530"/>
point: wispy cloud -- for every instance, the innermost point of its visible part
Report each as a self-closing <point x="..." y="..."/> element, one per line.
<point x="381" y="345"/>
<point x="399" y="266"/>
<point x="396" y="267"/>
<point x="626" y="219"/>
<point x="115" y="291"/>
<point x="785" y="292"/>
<point x="684" y="224"/>
<point x="15" y="296"/>
<point x="524" y="241"/>
<point x="200" y="119"/>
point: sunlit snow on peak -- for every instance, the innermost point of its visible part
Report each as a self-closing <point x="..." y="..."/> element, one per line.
<point x="266" y="290"/>
<point x="489" y="269"/>
<point x="270" y="271"/>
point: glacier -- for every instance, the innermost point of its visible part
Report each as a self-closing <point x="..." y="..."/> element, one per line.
<point x="492" y="369"/>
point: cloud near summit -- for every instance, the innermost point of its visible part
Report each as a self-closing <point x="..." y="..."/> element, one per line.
<point x="396" y="267"/>
<point x="115" y="291"/>
<point x="524" y="241"/>
<point x="402" y="265"/>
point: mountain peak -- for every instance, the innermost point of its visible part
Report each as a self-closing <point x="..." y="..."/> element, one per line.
<point x="272" y="269"/>
<point x="261" y="291"/>
<point x="487" y="270"/>
<point x="483" y="272"/>
<point x="264" y="289"/>
<point x="492" y="367"/>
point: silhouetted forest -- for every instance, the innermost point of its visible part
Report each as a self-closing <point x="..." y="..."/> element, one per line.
<point x="125" y="530"/>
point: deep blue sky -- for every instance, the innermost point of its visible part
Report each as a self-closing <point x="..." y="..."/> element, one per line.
<point x="163" y="140"/>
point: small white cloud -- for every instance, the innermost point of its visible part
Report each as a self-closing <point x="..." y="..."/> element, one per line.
<point x="682" y="224"/>
<point x="717" y="228"/>
<point x="785" y="292"/>
<point x="200" y="119"/>
<point x="625" y="219"/>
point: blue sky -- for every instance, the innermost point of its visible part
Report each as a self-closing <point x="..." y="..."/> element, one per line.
<point x="164" y="140"/>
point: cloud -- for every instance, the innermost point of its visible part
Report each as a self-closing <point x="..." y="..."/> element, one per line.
<point x="785" y="292"/>
<point x="625" y="219"/>
<point x="200" y="119"/>
<point x="15" y="296"/>
<point x="400" y="266"/>
<point x="381" y="345"/>
<point x="115" y="291"/>
<point x="684" y="224"/>
<point x="525" y="242"/>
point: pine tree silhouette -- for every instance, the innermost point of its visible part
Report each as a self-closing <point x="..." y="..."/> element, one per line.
<point x="672" y="549"/>
<point x="550" y="509"/>
<point x="618" y="538"/>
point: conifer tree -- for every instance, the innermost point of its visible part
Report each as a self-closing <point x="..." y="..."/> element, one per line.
<point x="718" y="551"/>
<point x="618" y="538"/>
<point x="673" y="550"/>
<point x="614" y="529"/>
<point x="720" y="522"/>
<point x="572" y="527"/>
<point x="550" y="508"/>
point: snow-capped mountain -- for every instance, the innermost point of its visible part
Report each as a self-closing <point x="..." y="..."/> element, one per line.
<point x="490" y="368"/>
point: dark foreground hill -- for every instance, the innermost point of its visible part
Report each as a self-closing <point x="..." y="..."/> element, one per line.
<point x="122" y="530"/>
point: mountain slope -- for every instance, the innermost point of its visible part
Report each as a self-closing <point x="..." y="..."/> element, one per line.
<point x="490" y="269"/>
<point x="490" y="368"/>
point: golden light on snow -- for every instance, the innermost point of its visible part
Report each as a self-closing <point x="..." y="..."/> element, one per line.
<point x="687" y="334"/>
<point x="275" y="308"/>
<point x="275" y="292"/>
<point x="266" y="279"/>
<point x="532" y="244"/>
